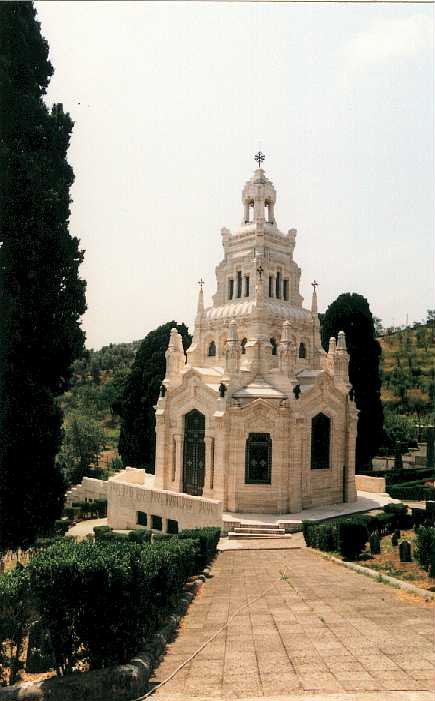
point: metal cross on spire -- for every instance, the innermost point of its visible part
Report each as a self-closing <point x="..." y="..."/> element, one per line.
<point x="315" y="284"/>
<point x="259" y="157"/>
<point x="260" y="271"/>
<point x="201" y="283"/>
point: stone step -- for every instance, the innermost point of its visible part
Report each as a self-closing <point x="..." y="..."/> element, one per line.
<point x="258" y="524"/>
<point x="255" y="529"/>
<point x="270" y="535"/>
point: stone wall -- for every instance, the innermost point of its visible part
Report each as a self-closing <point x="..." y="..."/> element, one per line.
<point x="370" y="484"/>
<point x="88" y="490"/>
<point x="126" y="499"/>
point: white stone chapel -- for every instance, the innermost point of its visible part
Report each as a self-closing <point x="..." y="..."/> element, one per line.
<point x="257" y="418"/>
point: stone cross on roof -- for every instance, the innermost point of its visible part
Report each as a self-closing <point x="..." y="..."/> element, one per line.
<point x="259" y="157"/>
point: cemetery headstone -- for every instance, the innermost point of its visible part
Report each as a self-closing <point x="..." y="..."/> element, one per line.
<point x="398" y="462"/>
<point x="430" y="437"/>
<point x="375" y="544"/>
<point x="405" y="551"/>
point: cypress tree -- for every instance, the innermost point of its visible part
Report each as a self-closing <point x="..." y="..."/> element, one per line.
<point x="351" y="313"/>
<point x="41" y="295"/>
<point x="137" y="440"/>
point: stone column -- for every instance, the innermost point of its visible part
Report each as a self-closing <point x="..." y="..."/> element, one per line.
<point x="179" y="445"/>
<point x="209" y="467"/>
<point x="294" y="467"/>
<point x="349" y="485"/>
<point x="161" y="477"/>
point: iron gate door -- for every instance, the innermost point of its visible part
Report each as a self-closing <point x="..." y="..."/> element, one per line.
<point x="194" y="453"/>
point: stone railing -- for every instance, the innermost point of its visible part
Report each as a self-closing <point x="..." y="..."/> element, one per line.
<point x="88" y="490"/>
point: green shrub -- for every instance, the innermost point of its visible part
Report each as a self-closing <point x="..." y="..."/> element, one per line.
<point x="414" y="491"/>
<point x="419" y="516"/>
<point x="61" y="526"/>
<point x="101" y="507"/>
<point x="15" y="615"/>
<point x="309" y="533"/>
<point x="101" y="530"/>
<point x="400" y="513"/>
<point x="140" y="535"/>
<point x="327" y="536"/>
<point x="208" y="541"/>
<point x="430" y="512"/>
<point x="425" y="550"/>
<point x="69" y="512"/>
<point x="157" y="535"/>
<point x="101" y="600"/>
<point x="352" y="538"/>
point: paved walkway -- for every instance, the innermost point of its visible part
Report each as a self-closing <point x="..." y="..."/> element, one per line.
<point x="320" y="632"/>
<point x="366" y="501"/>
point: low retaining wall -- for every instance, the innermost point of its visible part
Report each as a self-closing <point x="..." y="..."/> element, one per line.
<point x="88" y="490"/>
<point x="126" y="499"/>
<point x="370" y="484"/>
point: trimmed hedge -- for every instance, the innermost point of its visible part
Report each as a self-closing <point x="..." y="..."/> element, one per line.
<point x="101" y="600"/>
<point x="208" y="540"/>
<point x="404" y="475"/>
<point x="414" y="491"/>
<point x="430" y="512"/>
<point x="140" y="535"/>
<point x="425" y="550"/>
<point x="96" y="508"/>
<point x="347" y="536"/>
<point x="400" y="512"/>
<point x="101" y="530"/>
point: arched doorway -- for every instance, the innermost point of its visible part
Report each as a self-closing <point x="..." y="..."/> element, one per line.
<point x="194" y="453"/>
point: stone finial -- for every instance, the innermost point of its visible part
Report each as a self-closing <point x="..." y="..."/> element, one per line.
<point x="341" y="341"/>
<point x="173" y="339"/>
<point x="314" y="298"/>
<point x="200" y="305"/>
<point x="232" y="331"/>
<point x="332" y="346"/>
<point x="285" y="336"/>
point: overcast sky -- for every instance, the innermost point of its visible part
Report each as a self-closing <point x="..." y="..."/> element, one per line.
<point x="170" y="102"/>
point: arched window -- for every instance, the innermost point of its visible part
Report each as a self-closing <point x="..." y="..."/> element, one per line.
<point x="243" y="343"/>
<point x="320" y="442"/>
<point x="302" y="351"/>
<point x="258" y="459"/>
<point x="211" y="349"/>
<point x="274" y="345"/>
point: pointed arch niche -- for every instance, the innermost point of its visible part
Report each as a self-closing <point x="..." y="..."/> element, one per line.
<point x="320" y="442"/>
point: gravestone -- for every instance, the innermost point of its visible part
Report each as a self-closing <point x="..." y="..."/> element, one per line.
<point x="375" y="544"/>
<point x="398" y="462"/>
<point x="405" y="551"/>
<point x="430" y="435"/>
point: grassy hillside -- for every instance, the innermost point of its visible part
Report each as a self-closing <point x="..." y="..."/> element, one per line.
<point x="407" y="369"/>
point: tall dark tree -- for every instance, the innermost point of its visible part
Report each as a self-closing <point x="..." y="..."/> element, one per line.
<point x="137" y="441"/>
<point x="41" y="295"/>
<point x="351" y="313"/>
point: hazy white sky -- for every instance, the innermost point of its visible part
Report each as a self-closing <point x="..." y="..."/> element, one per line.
<point x="170" y="102"/>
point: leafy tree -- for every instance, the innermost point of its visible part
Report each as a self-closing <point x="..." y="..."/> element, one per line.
<point x="430" y="317"/>
<point x="350" y="313"/>
<point x="41" y="295"/>
<point x="137" y="437"/>
<point x="82" y="444"/>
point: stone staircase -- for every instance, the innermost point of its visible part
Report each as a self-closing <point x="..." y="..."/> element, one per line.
<point x="265" y="530"/>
